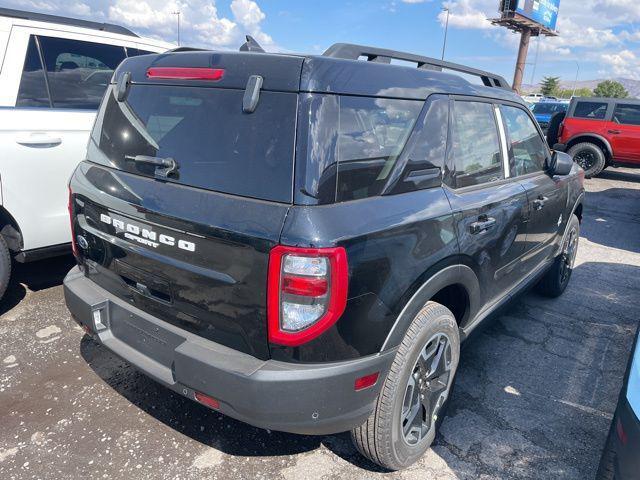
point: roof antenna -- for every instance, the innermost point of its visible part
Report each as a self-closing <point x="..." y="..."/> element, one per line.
<point x="251" y="45"/>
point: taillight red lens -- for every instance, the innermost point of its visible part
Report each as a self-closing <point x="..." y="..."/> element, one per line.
<point x="307" y="292"/>
<point x="309" y="287"/>
<point x="186" y="73"/>
<point x="74" y="245"/>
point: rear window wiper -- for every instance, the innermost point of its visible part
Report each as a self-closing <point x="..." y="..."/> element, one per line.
<point x="168" y="165"/>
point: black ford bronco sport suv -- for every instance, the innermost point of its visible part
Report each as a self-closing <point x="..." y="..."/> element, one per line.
<point x="302" y="242"/>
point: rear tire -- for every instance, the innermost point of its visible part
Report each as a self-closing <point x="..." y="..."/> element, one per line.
<point x="5" y="266"/>
<point x="555" y="281"/>
<point x="590" y="157"/>
<point x="413" y="399"/>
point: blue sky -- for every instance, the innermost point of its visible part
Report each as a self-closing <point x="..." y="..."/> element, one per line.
<point x="602" y="37"/>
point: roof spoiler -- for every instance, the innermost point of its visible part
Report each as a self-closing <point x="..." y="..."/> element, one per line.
<point x="350" y="51"/>
<point x="251" y="45"/>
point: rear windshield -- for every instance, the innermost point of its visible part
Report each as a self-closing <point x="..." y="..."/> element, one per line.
<point x="215" y="144"/>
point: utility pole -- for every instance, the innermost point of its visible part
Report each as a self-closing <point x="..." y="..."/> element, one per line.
<point x="525" y="36"/>
<point x="177" y="12"/>
<point x="446" y="28"/>
<point x="575" y="84"/>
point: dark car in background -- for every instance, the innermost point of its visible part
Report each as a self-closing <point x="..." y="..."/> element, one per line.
<point x="545" y="109"/>
<point x="621" y="456"/>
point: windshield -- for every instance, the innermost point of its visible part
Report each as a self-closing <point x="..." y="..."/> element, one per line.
<point x="204" y="130"/>
<point x="546" y="108"/>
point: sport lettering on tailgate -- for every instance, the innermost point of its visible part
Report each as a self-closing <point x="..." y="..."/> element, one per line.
<point x="146" y="235"/>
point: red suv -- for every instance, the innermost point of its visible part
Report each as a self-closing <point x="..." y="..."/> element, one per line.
<point x="599" y="132"/>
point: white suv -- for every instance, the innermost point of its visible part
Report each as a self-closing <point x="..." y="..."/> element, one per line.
<point x="53" y="74"/>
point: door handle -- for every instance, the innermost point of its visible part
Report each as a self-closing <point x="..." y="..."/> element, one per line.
<point x="482" y="225"/>
<point x="614" y="132"/>
<point x="38" y="140"/>
<point x="538" y="203"/>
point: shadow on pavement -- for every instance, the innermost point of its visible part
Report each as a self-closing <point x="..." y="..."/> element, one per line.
<point x="620" y="175"/>
<point x="612" y="218"/>
<point x="34" y="276"/>
<point x="534" y="376"/>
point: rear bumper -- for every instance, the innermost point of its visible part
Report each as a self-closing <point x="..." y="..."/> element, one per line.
<point x="315" y="399"/>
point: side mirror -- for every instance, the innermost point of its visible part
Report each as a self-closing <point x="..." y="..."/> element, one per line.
<point x="560" y="163"/>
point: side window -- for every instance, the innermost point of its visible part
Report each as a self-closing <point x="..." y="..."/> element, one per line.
<point x="78" y="72"/>
<point x="475" y="145"/>
<point x="371" y="135"/>
<point x="33" y="86"/>
<point x="425" y="152"/>
<point x="627" y="114"/>
<point x="592" y="110"/>
<point x="526" y="146"/>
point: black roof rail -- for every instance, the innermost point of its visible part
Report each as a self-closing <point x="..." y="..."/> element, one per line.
<point x="43" y="17"/>
<point x="351" y="51"/>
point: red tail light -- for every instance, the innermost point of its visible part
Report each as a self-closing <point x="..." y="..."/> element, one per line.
<point x="74" y="245"/>
<point x="186" y="73"/>
<point x="307" y="292"/>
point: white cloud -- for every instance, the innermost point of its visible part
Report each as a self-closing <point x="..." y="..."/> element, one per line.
<point x="201" y="25"/>
<point x="471" y="14"/>
<point x="624" y="64"/>
<point x="247" y="13"/>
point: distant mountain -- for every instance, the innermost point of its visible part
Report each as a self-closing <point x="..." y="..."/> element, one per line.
<point x="632" y="86"/>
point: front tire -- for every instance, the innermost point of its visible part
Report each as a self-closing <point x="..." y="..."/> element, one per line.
<point x="555" y="281"/>
<point x="413" y="399"/>
<point x="590" y="157"/>
<point x="5" y="266"/>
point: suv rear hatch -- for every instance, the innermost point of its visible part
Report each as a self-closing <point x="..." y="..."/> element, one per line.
<point x="190" y="247"/>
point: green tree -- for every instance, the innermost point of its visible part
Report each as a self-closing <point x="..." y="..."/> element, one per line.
<point x="610" y="89"/>
<point x="580" y="92"/>
<point x="550" y="86"/>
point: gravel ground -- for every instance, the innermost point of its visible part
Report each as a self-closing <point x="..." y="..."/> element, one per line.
<point x="534" y="398"/>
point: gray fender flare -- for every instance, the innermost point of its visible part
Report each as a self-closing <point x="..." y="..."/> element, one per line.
<point x="452" y="275"/>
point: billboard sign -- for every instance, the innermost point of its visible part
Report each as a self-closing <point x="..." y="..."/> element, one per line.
<point x="544" y="12"/>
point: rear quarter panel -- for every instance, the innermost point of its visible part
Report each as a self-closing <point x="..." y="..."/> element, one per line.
<point x="577" y="126"/>
<point x="391" y="242"/>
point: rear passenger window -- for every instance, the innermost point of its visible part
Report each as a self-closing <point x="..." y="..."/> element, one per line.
<point x="527" y="148"/>
<point x="475" y="147"/>
<point x="593" y="110"/>
<point x="371" y="135"/>
<point x="33" y="87"/>
<point x="627" y="114"/>
<point x="78" y="72"/>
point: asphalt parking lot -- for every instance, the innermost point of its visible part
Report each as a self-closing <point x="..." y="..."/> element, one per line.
<point x="534" y="398"/>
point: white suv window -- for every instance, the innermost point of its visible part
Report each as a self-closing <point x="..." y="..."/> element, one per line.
<point x="77" y="72"/>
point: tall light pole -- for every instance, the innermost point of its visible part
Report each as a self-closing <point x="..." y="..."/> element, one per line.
<point x="446" y="28"/>
<point x="177" y="12"/>
<point x="575" y="83"/>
